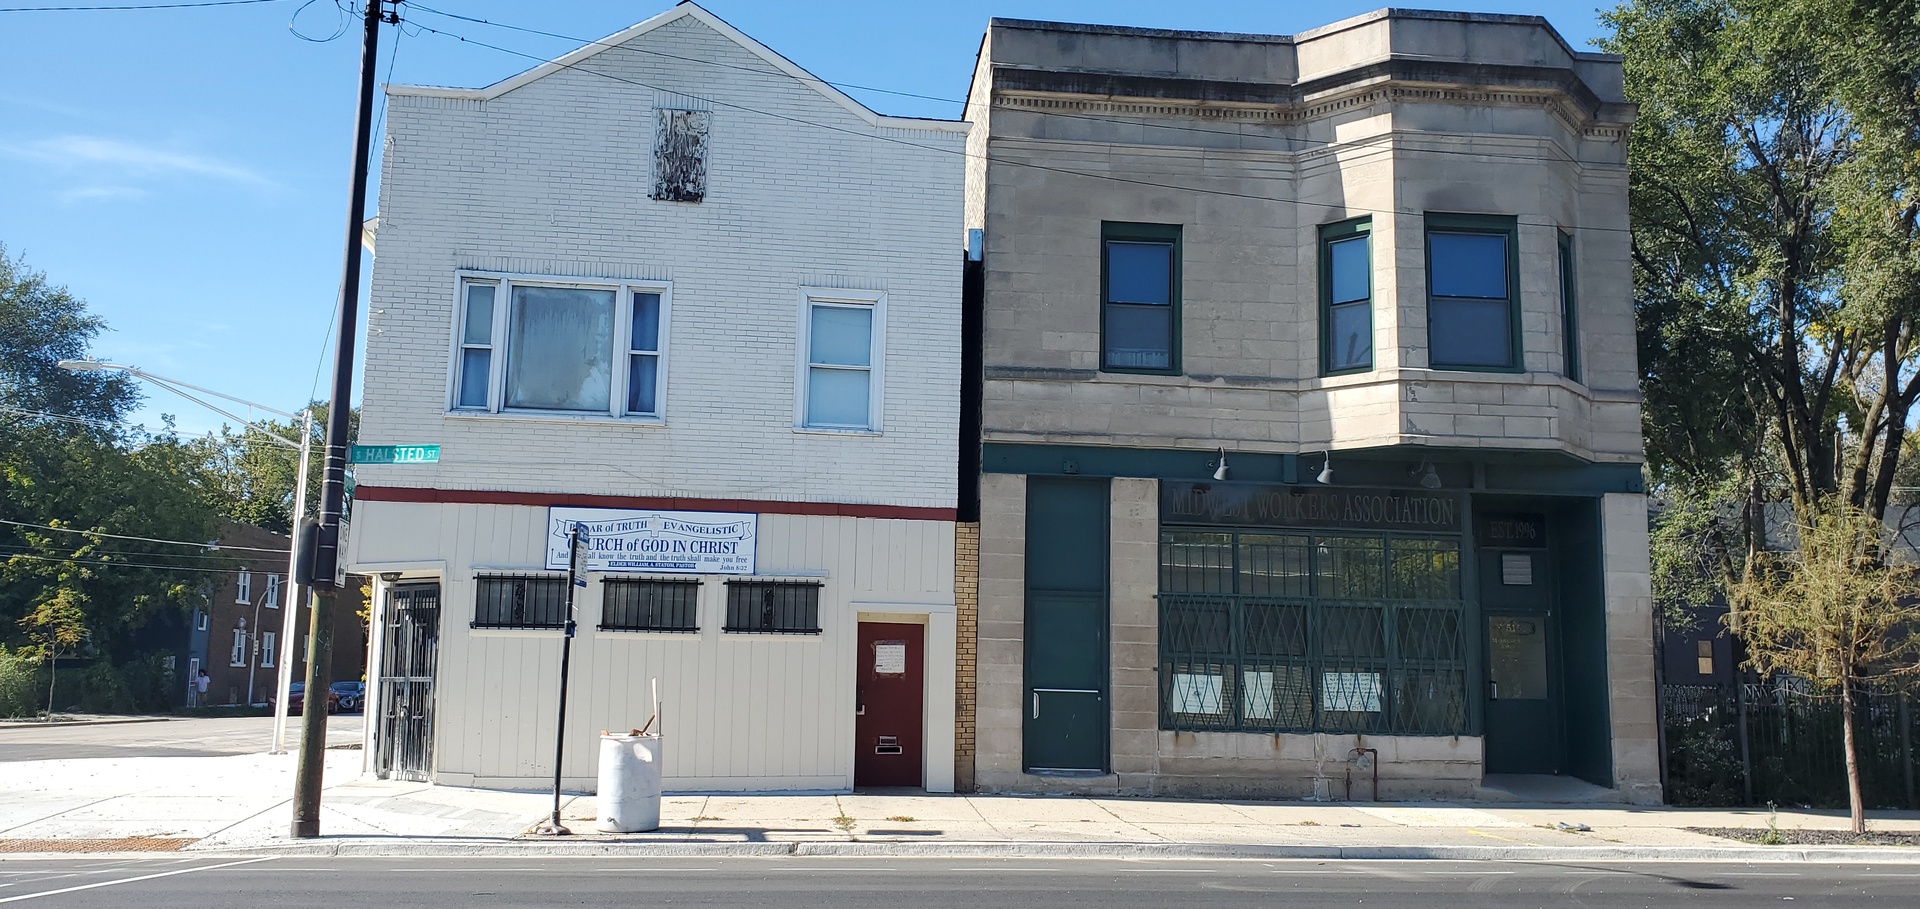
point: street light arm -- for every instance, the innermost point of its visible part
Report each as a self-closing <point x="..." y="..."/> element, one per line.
<point x="250" y="424"/>
<point x="100" y="366"/>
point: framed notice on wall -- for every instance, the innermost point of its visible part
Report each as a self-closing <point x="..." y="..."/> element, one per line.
<point x="623" y="540"/>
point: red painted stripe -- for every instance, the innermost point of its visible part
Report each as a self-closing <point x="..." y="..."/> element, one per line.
<point x="542" y="499"/>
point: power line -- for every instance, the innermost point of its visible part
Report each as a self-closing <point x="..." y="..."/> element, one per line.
<point x="108" y="9"/>
<point x="118" y="536"/>
<point x="26" y="548"/>
<point x="1298" y="142"/>
<point x="90" y="564"/>
<point x="1007" y="161"/>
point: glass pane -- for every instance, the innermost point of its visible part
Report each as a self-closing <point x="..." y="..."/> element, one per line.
<point x="1273" y="564"/>
<point x="1427" y="633"/>
<point x="837" y="397"/>
<point x="1517" y="654"/>
<point x="1192" y="625"/>
<point x="1351" y="341"/>
<point x="1468" y="265"/>
<point x="1430" y="701"/>
<point x="1348" y="269"/>
<point x="1350" y="566"/>
<point x="1273" y="630"/>
<point x="841" y="335"/>
<point x="1352" y="631"/>
<point x="1424" y="570"/>
<point x="1280" y="697"/>
<point x="646" y="322"/>
<point x="479" y="329"/>
<point x="474" y="364"/>
<point x="1139" y="337"/>
<point x="641" y="387"/>
<point x="1193" y="562"/>
<point x="1139" y="272"/>
<point x="1198" y="691"/>
<point x="560" y="349"/>
<point x="1470" y="332"/>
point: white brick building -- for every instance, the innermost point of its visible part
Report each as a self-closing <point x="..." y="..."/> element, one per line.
<point x="667" y="274"/>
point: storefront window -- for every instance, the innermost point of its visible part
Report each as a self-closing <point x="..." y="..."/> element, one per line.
<point x="1311" y="632"/>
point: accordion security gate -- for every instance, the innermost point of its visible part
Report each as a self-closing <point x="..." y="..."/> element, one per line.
<point x="408" y="652"/>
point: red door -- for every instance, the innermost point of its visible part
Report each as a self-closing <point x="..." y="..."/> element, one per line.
<point x="892" y="686"/>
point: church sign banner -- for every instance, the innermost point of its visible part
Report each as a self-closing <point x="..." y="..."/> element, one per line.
<point x="1330" y="507"/>
<point x="685" y="542"/>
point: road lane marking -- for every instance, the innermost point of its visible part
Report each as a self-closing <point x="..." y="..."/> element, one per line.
<point x="129" y="880"/>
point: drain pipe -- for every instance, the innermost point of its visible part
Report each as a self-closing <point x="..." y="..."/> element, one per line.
<point x="1367" y="758"/>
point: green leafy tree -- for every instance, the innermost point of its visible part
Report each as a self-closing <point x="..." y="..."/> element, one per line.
<point x="1835" y="610"/>
<point x="252" y="476"/>
<point x="40" y="325"/>
<point x="57" y="624"/>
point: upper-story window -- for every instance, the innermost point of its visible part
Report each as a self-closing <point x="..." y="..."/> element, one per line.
<point x="1569" y="311"/>
<point x="841" y="353"/>
<point x="1140" y="297"/>
<point x="273" y="591"/>
<point x="1346" y="297"/>
<point x="1473" y="302"/>
<point x="558" y="346"/>
<point x="243" y="587"/>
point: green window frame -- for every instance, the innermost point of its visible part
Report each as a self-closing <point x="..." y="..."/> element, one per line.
<point x="1459" y="311"/>
<point x="1569" y="309"/>
<point x="1341" y="303"/>
<point x="1129" y="309"/>
<point x="1292" y="630"/>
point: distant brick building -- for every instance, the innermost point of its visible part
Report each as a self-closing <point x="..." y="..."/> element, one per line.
<point x="236" y="635"/>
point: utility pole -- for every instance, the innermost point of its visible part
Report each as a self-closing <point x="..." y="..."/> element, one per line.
<point x="333" y="489"/>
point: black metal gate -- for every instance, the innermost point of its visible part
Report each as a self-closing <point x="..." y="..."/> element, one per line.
<point x="408" y="651"/>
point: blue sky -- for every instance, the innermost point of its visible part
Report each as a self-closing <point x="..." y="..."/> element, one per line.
<point x="185" y="171"/>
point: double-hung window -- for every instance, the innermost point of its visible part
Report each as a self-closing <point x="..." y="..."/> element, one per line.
<point x="841" y="357"/>
<point x="267" y="641"/>
<point x="1569" y="312"/>
<point x="243" y="587"/>
<point x="560" y="346"/>
<point x="273" y="591"/>
<point x="1473" y="299"/>
<point x="1140" y="297"/>
<point x="1346" y="297"/>
<point x="238" y="655"/>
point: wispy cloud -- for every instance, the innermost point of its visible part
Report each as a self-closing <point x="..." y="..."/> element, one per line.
<point x="119" y="158"/>
<point x="101" y="193"/>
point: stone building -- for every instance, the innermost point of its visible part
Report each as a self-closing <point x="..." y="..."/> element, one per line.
<point x="1308" y="413"/>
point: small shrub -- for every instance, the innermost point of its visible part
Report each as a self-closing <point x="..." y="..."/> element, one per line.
<point x="101" y="689"/>
<point x="19" y="683"/>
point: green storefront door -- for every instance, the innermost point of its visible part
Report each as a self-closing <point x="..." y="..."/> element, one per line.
<point x="1065" y="710"/>
<point x="1523" y="717"/>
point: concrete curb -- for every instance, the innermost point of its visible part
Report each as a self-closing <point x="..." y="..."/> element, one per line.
<point x="887" y="849"/>
<point x="116" y="721"/>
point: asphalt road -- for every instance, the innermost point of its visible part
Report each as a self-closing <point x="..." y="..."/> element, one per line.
<point x="175" y="882"/>
<point x="177" y="737"/>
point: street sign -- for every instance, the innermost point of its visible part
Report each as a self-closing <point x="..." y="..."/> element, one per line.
<point x="395" y="454"/>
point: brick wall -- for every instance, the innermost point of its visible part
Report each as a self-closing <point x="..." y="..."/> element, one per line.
<point x="966" y="602"/>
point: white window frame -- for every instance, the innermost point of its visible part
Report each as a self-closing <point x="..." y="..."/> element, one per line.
<point x="267" y="640"/>
<point x="238" y="655"/>
<point x="620" y="351"/>
<point x="273" y="592"/>
<point x="243" y="587"/>
<point x="199" y="620"/>
<point x="877" y="356"/>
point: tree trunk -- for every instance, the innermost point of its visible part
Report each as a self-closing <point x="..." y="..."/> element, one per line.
<point x="53" y="672"/>
<point x="1855" y="805"/>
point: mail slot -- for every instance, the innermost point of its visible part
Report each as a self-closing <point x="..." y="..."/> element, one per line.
<point x="888" y="744"/>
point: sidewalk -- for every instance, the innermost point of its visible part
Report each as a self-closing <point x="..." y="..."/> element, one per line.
<point x="241" y="803"/>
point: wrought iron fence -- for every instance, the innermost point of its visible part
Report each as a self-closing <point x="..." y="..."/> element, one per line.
<point x="1779" y="741"/>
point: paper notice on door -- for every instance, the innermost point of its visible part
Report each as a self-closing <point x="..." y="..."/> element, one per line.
<point x="890" y="658"/>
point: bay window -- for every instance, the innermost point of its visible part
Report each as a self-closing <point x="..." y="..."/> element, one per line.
<point x="560" y="347"/>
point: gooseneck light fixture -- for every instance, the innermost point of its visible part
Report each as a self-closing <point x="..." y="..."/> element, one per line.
<point x="1221" y="472"/>
<point x="1326" y="470"/>
<point x="1429" y="477"/>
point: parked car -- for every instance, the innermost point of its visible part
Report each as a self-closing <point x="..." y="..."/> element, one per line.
<point x="297" y="699"/>
<point x="351" y="696"/>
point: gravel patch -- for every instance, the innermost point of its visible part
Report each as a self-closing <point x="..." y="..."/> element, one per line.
<point x="1766" y="837"/>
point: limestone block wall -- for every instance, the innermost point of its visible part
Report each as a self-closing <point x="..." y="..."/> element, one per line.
<point x="1630" y="657"/>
